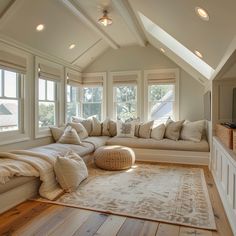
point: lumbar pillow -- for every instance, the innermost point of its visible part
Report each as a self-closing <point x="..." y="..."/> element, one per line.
<point x="96" y="127"/>
<point x="112" y="128"/>
<point x="192" y="131"/>
<point x="57" y="132"/>
<point x="82" y="132"/>
<point x="158" y="132"/>
<point x="87" y="123"/>
<point x="173" y="129"/>
<point x="145" y="129"/>
<point x="70" y="136"/>
<point x="105" y="127"/>
<point x="125" y="129"/>
<point x="70" y="171"/>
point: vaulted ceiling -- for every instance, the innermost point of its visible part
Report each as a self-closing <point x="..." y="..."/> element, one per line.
<point x="169" y="24"/>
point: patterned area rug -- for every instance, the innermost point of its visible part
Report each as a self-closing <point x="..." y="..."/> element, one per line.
<point x="170" y="194"/>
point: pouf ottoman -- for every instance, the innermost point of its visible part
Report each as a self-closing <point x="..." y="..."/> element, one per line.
<point x="114" y="157"/>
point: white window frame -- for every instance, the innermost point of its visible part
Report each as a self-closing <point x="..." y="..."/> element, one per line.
<point x="165" y="74"/>
<point x="23" y="133"/>
<point x="60" y="94"/>
<point x="111" y="102"/>
<point x="82" y="96"/>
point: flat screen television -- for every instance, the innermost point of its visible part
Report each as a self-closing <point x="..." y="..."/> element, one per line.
<point x="234" y="106"/>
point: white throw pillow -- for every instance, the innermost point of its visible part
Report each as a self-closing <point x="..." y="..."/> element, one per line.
<point x="192" y="131"/>
<point x="125" y="130"/>
<point x="96" y="127"/>
<point x="173" y="129"/>
<point x="112" y="128"/>
<point x="70" y="171"/>
<point x="145" y="129"/>
<point x="57" y="132"/>
<point x="105" y="127"/>
<point x="158" y="132"/>
<point x="87" y="123"/>
<point x="70" y="136"/>
<point x="82" y="132"/>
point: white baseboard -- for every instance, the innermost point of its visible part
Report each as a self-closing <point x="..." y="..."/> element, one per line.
<point x="171" y="156"/>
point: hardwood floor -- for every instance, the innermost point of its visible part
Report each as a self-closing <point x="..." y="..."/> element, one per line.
<point x="36" y="218"/>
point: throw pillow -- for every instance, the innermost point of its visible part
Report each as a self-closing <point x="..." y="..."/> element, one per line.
<point x="158" y="132"/>
<point x="70" y="171"/>
<point x="70" y="136"/>
<point x="96" y="127"/>
<point x="145" y="129"/>
<point x="57" y="132"/>
<point x="173" y="129"/>
<point x="112" y="128"/>
<point x="87" y="123"/>
<point x="192" y="131"/>
<point x="82" y="132"/>
<point x="125" y="129"/>
<point x="105" y="127"/>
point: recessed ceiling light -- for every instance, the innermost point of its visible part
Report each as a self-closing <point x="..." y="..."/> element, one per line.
<point x="162" y="50"/>
<point x="40" y="27"/>
<point x="202" y="13"/>
<point x="72" y="46"/>
<point x="198" y="54"/>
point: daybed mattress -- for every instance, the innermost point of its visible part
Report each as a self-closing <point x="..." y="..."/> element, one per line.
<point x="15" y="182"/>
<point x="164" y="144"/>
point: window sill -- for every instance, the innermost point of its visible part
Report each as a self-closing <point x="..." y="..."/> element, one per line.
<point x="13" y="139"/>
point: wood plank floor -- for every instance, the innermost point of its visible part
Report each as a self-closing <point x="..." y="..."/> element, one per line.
<point x="36" y="218"/>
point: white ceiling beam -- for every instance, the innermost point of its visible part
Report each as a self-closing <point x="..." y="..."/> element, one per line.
<point x="125" y="10"/>
<point x="76" y="9"/>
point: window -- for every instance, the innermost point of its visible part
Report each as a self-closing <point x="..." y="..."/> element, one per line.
<point x="161" y="102"/>
<point x="73" y="101"/>
<point x="92" y="101"/>
<point x="125" y="101"/>
<point x="10" y="100"/>
<point x="47" y="103"/>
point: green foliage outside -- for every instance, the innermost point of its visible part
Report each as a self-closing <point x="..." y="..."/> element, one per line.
<point x="46" y="114"/>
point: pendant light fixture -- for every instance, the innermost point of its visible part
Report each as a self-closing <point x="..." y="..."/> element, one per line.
<point x="105" y="20"/>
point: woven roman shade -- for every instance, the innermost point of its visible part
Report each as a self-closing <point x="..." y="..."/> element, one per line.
<point x="49" y="72"/>
<point x="93" y="79"/>
<point x="125" y="79"/>
<point x="12" y="62"/>
<point x="161" y="78"/>
<point x="74" y="78"/>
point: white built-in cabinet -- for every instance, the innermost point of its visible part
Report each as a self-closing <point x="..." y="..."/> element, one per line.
<point x="223" y="167"/>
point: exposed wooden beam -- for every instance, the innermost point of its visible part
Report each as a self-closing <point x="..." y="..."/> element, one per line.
<point x="76" y="9"/>
<point x="125" y="10"/>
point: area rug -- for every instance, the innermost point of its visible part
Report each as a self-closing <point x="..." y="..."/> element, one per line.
<point x="162" y="193"/>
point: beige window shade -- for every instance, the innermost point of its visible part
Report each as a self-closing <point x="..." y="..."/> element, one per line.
<point x="74" y="79"/>
<point x="161" y="78"/>
<point x="93" y="80"/>
<point x="49" y="72"/>
<point x="12" y="62"/>
<point x="125" y="79"/>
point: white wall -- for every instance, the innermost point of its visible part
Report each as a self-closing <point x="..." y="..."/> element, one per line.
<point x="145" y="58"/>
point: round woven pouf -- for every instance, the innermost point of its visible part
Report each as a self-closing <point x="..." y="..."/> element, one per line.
<point x="114" y="157"/>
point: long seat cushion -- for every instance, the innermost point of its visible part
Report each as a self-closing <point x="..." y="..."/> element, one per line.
<point x="97" y="141"/>
<point x="164" y="144"/>
<point x="62" y="149"/>
<point x="15" y="182"/>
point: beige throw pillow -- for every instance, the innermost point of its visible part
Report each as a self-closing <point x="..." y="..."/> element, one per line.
<point x="158" y="132"/>
<point x="125" y="130"/>
<point x="96" y="127"/>
<point x="57" y="132"/>
<point x="81" y="131"/>
<point x="87" y="123"/>
<point x="70" y="171"/>
<point x="173" y="129"/>
<point x="112" y="128"/>
<point x="145" y="129"/>
<point x="105" y="127"/>
<point x="70" y="136"/>
<point x="192" y="131"/>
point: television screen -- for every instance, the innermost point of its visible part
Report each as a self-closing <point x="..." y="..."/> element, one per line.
<point x="234" y="106"/>
<point x="207" y="105"/>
